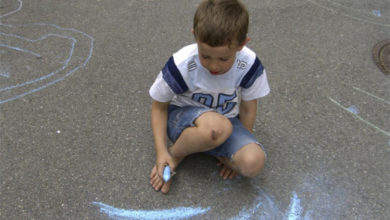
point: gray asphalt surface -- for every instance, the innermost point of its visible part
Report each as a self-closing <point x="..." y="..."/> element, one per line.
<point x="75" y="137"/>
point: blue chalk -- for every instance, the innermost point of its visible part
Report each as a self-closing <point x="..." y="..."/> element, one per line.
<point x="174" y="213"/>
<point x="167" y="173"/>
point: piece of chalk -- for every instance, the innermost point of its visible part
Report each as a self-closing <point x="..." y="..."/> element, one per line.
<point x="167" y="173"/>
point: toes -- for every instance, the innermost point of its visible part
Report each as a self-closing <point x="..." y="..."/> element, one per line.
<point x="154" y="172"/>
<point x="165" y="187"/>
<point x="226" y="172"/>
<point x="156" y="183"/>
<point x="233" y="174"/>
<point x="155" y="180"/>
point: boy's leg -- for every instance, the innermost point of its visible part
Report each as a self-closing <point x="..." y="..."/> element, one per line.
<point x="210" y="130"/>
<point x="248" y="162"/>
<point x="240" y="153"/>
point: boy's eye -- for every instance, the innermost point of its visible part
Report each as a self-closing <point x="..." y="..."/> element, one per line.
<point x="206" y="57"/>
<point x="223" y="59"/>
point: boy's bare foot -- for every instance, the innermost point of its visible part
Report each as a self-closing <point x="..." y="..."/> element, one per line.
<point x="226" y="171"/>
<point x="158" y="183"/>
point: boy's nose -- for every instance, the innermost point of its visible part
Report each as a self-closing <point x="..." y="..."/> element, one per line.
<point x="213" y="67"/>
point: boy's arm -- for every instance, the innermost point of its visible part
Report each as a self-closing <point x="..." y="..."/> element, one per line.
<point x="248" y="111"/>
<point x="159" y="127"/>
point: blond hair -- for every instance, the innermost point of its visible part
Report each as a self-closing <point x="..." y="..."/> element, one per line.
<point x="221" y="22"/>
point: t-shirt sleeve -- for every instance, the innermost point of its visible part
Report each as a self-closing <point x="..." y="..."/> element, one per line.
<point x="160" y="90"/>
<point x="258" y="89"/>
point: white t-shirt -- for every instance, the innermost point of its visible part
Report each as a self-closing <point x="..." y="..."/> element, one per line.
<point x="184" y="81"/>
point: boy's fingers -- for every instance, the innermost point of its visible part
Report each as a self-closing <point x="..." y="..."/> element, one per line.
<point x="160" y="169"/>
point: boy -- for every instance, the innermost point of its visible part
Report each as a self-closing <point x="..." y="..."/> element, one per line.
<point x="205" y="98"/>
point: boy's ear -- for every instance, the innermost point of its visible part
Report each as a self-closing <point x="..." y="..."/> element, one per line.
<point x="243" y="43"/>
<point x="193" y="33"/>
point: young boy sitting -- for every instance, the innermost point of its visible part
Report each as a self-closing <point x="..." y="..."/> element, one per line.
<point x="205" y="98"/>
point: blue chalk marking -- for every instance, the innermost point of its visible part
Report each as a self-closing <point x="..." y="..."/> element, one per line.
<point x="353" y="110"/>
<point x="50" y="74"/>
<point x="175" y="213"/>
<point x="377" y="13"/>
<point x="295" y="210"/>
<point x="65" y="70"/>
<point x="263" y="207"/>
<point x="20" y="49"/>
<point x="167" y="173"/>
<point x="6" y="75"/>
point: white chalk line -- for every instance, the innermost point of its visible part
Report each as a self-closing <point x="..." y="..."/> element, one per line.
<point x="356" y="10"/>
<point x="21" y="50"/>
<point x="14" y="11"/>
<point x="349" y="16"/>
<point x="372" y="95"/>
<point x="360" y="118"/>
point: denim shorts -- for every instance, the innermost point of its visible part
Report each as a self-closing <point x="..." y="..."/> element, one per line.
<point x="180" y="118"/>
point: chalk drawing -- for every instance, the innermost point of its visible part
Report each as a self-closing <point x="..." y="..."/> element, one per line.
<point x="16" y="85"/>
<point x="6" y="75"/>
<point x="360" y="118"/>
<point x="349" y="12"/>
<point x="377" y="13"/>
<point x="324" y="202"/>
<point x="20" y="49"/>
<point x="353" y="109"/>
<point x="14" y="11"/>
<point x="264" y="207"/>
<point x="370" y="94"/>
<point x="295" y="210"/>
<point x="175" y="213"/>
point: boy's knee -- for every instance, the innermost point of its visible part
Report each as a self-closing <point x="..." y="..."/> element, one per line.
<point x="251" y="163"/>
<point x="219" y="131"/>
<point x="217" y="128"/>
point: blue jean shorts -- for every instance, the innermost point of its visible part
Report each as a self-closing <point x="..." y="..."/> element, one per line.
<point x="180" y="118"/>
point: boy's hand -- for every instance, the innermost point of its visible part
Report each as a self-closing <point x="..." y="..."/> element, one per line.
<point x="156" y="176"/>
<point x="163" y="160"/>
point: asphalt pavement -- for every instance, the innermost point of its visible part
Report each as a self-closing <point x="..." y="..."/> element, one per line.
<point x="75" y="135"/>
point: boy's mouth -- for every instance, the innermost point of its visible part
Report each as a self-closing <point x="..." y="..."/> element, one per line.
<point x="214" y="73"/>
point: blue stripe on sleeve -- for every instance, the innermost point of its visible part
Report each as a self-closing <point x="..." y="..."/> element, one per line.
<point x="255" y="72"/>
<point x="173" y="77"/>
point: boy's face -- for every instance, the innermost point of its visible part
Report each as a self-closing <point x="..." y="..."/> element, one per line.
<point x="217" y="60"/>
